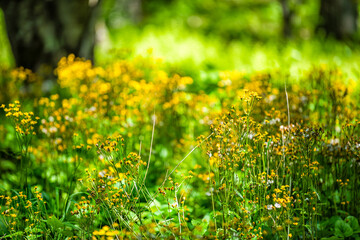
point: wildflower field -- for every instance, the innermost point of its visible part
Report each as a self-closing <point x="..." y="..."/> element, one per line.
<point x="130" y="149"/>
<point x="180" y="119"/>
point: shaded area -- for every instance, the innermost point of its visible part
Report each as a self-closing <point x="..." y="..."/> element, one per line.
<point x="41" y="32"/>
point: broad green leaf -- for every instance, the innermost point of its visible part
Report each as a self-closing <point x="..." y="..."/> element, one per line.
<point x="72" y="226"/>
<point x="332" y="238"/>
<point x="195" y="222"/>
<point x="342" y="229"/>
<point x="131" y="215"/>
<point x="329" y="223"/>
<point x="204" y="226"/>
<point x="8" y="165"/>
<point x="190" y="226"/>
<point x="155" y="206"/>
<point x="343" y="212"/>
<point x="200" y="226"/>
<point x="353" y="222"/>
<point x="55" y="223"/>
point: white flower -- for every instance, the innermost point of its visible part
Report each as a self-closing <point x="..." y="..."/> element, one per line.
<point x="269" y="207"/>
<point x="277" y="205"/>
<point x="334" y="141"/>
<point x="274" y="121"/>
<point x="58" y="141"/>
<point x="269" y="182"/>
<point x="53" y="129"/>
<point x="251" y="136"/>
<point x="271" y="98"/>
<point x="44" y="130"/>
<point x="102" y="173"/>
<point x="337" y="129"/>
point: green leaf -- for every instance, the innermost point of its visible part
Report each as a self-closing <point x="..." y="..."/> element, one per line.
<point x="72" y="226"/>
<point x="33" y="236"/>
<point x="331" y="238"/>
<point x="190" y="226"/>
<point x="154" y="206"/>
<point x="131" y="215"/>
<point x="201" y="227"/>
<point x="195" y="222"/>
<point x="342" y="229"/>
<point x="68" y="233"/>
<point x="239" y="194"/>
<point x="329" y="223"/>
<point x="343" y="212"/>
<point x="11" y="236"/>
<point x="55" y="223"/>
<point x="336" y="197"/>
<point x="33" y="230"/>
<point x="69" y="203"/>
<point x="334" y="219"/>
<point x="308" y="227"/>
<point x="353" y="222"/>
<point x="8" y="165"/>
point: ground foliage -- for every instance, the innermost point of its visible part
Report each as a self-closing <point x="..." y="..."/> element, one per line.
<point x="131" y="149"/>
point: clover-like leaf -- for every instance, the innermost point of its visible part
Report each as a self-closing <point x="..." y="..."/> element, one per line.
<point x="353" y="222"/>
<point x="342" y="229"/>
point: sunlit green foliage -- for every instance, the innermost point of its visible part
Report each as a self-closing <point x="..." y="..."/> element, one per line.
<point x="128" y="150"/>
<point x="197" y="121"/>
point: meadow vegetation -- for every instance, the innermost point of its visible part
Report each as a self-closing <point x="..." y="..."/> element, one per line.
<point x="196" y="120"/>
<point x="130" y="149"/>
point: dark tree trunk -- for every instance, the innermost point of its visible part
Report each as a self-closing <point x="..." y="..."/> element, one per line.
<point x="41" y="32"/>
<point x="339" y="17"/>
<point x="287" y="15"/>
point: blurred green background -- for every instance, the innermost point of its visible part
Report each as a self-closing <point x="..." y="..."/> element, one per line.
<point x="197" y="37"/>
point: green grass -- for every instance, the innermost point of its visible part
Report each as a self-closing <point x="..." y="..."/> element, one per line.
<point x="195" y="52"/>
<point x="129" y="149"/>
<point x="132" y="148"/>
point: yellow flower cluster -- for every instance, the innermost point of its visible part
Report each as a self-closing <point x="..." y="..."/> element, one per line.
<point x="12" y="83"/>
<point x="9" y="211"/>
<point x="24" y="121"/>
<point x="14" y="207"/>
<point x="126" y="93"/>
<point x="106" y="233"/>
<point x="259" y="172"/>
